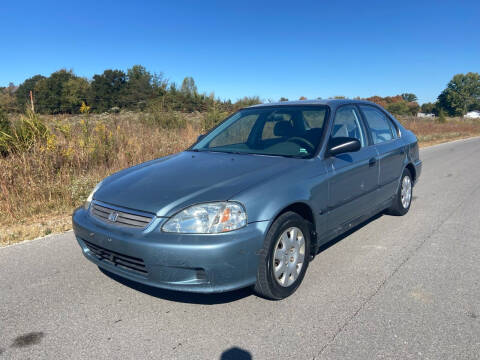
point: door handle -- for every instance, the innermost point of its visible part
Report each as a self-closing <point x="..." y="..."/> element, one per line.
<point x="372" y="162"/>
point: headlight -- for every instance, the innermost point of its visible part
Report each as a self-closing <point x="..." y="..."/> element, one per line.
<point x="208" y="218"/>
<point x="90" y="197"/>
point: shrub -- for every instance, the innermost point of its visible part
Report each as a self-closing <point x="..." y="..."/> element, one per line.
<point x="247" y="101"/>
<point x="162" y="116"/>
<point x="5" y="133"/>
<point x="441" y="117"/>
<point x="23" y="134"/>
<point x="212" y="117"/>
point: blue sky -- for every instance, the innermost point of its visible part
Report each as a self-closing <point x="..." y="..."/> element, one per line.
<point x="269" y="49"/>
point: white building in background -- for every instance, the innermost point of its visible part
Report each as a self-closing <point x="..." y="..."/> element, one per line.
<point x="475" y="114"/>
<point x="424" y="115"/>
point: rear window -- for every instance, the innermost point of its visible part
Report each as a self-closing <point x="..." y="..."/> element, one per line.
<point x="314" y="118"/>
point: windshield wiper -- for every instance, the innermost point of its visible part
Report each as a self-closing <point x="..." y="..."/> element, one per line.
<point x="250" y="153"/>
<point x="294" y="156"/>
<point x="230" y="152"/>
<point x="239" y="153"/>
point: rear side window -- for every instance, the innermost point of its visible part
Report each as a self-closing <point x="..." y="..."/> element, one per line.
<point x="380" y="126"/>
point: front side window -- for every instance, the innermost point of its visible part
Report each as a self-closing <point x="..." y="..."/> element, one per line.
<point x="379" y="125"/>
<point x="347" y="124"/>
<point x="293" y="131"/>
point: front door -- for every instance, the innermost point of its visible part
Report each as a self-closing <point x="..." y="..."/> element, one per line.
<point x="354" y="176"/>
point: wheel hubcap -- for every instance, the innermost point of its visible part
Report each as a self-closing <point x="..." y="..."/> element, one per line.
<point x="289" y="256"/>
<point x="406" y="191"/>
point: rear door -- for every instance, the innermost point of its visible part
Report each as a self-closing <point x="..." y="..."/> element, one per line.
<point x="391" y="152"/>
<point x="353" y="176"/>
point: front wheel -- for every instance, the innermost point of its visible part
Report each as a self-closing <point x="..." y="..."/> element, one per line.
<point x="403" y="199"/>
<point x="285" y="258"/>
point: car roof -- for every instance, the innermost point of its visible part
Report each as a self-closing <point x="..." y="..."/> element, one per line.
<point x="334" y="103"/>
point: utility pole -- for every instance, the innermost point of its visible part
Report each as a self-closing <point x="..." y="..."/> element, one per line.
<point x="31" y="101"/>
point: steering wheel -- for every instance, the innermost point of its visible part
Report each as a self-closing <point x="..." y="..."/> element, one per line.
<point x="302" y="141"/>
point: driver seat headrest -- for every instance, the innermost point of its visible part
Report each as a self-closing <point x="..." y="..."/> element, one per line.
<point x="283" y="128"/>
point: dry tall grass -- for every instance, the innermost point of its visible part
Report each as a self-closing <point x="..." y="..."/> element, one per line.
<point x="430" y="131"/>
<point x="56" y="175"/>
<point x="40" y="187"/>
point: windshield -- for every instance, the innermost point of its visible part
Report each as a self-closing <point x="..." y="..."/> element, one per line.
<point x="293" y="131"/>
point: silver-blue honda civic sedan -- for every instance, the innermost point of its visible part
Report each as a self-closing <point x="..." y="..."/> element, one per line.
<point x="253" y="200"/>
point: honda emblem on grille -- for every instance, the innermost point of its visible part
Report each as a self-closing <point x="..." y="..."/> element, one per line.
<point x="113" y="216"/>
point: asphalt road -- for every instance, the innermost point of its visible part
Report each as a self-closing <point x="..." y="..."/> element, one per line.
<point x="396" y="287"/>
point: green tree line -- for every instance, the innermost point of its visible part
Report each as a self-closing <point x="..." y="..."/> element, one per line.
<point x="139" y="89"/>
<point x="111" y="91"/>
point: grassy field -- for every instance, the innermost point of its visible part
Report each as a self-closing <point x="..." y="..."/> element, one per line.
<point x="430" y="132"/>
<point x="42" y="183"/>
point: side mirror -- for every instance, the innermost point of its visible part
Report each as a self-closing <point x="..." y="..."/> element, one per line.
<point x="200" y="137"/>
<point x="340" y="145"/>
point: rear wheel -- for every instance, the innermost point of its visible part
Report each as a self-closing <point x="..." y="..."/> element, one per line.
<point x="285" y="257"/>
<point x="403" y="199"/>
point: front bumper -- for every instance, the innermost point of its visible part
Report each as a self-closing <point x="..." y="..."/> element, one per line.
<point x="188" y="262"/>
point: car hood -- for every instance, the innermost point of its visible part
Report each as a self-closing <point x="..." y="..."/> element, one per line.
<point x="167" y="185"/>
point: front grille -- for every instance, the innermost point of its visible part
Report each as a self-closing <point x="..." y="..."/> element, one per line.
<point x="114" y="258"/>
<point x="119" y="218"/>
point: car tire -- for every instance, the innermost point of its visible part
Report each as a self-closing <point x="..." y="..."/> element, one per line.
<point x="403" y="198"/>
<point x="285" y="257"/>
